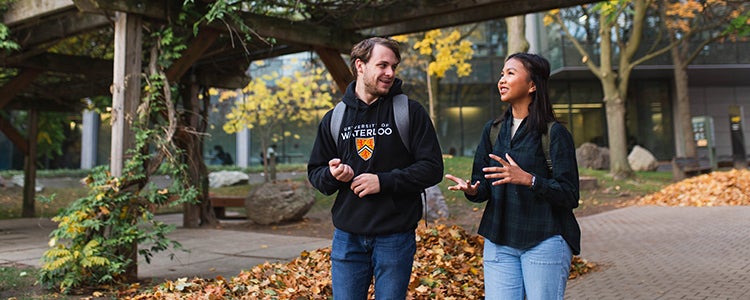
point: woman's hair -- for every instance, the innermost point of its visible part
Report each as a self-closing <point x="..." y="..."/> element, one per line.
<point x="363" y="50"/>
<point x="540" y="108"/>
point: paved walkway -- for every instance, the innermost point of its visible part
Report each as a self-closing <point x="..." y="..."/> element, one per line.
<point x="666" y="253"/>
<point x="212" y="252"/>
<point x="644" y="252"/>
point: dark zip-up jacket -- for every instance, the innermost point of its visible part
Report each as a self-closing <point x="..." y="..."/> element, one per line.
<point x="520" y="216"/>
<point x="370" y="143"/>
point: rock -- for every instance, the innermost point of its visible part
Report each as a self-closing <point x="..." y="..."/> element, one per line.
<point x="227" y="178"/>
<point x="19" y="181"/>
<point x="589" y="155"/>
<point x="434" y="204"/>
<point x="279" y="202"/>
<point x="641" y="159"/>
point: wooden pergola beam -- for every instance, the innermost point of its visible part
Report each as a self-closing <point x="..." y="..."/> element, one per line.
<point x="415" y="16"/>
<point x="14" y="136"/>
<point x="195" y="50"/>
<point x="17" y="84"/>
<point x="22" y="11"/>
<point x="336" y="66"/>
<point x="264" y="26"/>
<point x="70" y="64"/>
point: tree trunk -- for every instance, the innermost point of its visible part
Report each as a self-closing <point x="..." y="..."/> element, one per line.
<point x="684" y="131"/>
<point x="430" y="94"/>
<point x="618" y="147"/>
<point x="189" y="138"/>
<point x="517" y="42"/>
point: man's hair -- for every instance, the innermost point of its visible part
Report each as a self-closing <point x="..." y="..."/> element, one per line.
<point x="363" y="50"/>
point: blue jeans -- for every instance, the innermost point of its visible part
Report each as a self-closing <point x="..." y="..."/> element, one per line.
<point x="537" y="273"/>
<point x="355" y="259"/>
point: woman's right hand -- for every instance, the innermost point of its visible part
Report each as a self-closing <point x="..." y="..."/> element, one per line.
<point x="463" y="185"/>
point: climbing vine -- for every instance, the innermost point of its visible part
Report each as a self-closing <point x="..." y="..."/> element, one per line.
<point x="97" y="235"/>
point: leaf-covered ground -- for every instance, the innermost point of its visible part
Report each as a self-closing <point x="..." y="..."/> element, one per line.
<point x="448" y="265"/>
<point x="727" y="188"/>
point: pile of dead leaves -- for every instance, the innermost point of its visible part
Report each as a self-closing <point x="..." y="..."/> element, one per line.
<point x="730" y="188"/>
<point x="448" y="265"/>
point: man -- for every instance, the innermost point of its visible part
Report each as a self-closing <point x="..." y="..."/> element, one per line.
<point x="378" y="179"/>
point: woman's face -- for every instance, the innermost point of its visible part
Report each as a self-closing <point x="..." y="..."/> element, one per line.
<point x="515" y="83"/>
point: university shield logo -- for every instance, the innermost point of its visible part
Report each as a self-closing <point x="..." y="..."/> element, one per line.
<point x="365" y="147"/>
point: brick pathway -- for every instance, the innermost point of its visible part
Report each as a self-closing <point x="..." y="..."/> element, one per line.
<point x="666" y="253"/>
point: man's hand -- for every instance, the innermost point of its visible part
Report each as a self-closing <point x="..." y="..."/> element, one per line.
<point x="342" y="172"/>
<point x="463" y="185"/>
<point x="366" y="184"/>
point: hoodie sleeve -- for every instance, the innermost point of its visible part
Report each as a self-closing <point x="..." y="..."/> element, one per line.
<point x="427" y="169"/>
<point x="323" y="151"/>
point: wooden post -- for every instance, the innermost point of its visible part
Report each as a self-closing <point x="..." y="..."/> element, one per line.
<point x="29" y="176"/>
<point x="126" y="94"/>
<point x="126" y="86"/>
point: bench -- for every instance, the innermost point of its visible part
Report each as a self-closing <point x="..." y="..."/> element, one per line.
<point x="220" y="203"/>
<point x="684" y="167"/>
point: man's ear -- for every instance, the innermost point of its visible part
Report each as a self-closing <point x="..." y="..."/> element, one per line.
<point x="359" y="64"/>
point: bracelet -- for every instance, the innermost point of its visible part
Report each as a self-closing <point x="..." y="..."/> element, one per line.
<point x="533" y="181"/>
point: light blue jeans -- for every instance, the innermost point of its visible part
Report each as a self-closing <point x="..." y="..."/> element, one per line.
<point x="539" y="273"/>
<point x="355" y="259"/>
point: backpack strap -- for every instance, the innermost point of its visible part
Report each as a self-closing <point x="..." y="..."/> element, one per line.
<point x="336" y="117"/>
<point x="545" y="145"/>
<point x="400" y="113"/>
<point x="495" y="130"/>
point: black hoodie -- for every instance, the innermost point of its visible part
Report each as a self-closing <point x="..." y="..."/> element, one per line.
<point x="403" y="174"/>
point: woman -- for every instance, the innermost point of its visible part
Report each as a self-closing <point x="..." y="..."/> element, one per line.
<point x="530" y="231"/>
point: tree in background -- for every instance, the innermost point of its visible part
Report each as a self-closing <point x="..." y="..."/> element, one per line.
<point x="517" y="41"/>
<point x="691" y="26"/>
<point x="271" y="100"/>
<point x="620" y="26"/>
<point x="439" y="50"/>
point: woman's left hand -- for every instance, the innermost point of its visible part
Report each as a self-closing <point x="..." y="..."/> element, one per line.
<point x="509" y="172"/>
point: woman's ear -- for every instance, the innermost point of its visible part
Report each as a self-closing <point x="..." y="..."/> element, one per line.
<point x="532" y="88"/>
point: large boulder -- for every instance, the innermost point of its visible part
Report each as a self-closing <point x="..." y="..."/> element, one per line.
<point x="227" y="178"/>
<point x="641" y="159"/>
<point x="19" y="180"/>
<point x="279" y="202"/>
<point x="589" y="155"/>
<point x="434" y="204"/>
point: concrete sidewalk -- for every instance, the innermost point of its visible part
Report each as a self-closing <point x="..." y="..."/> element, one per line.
<point x="212" y="252"/>
<point x="643" y="252"/>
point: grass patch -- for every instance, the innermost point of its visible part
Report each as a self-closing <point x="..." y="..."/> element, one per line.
<point x="19" y="282"/>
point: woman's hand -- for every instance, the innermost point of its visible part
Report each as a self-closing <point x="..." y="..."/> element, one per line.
<point x="463" y="185"/>
<point x="510" y="172"/>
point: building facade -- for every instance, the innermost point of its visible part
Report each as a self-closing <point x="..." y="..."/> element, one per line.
<point x="719" y="84"/>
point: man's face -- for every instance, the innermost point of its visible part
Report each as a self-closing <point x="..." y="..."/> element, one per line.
<point x="378" y="74"/>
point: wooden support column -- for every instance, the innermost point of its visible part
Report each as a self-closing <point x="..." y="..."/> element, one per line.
<point x="126" y="94"/>
<point x="194" y="215"/>
<point x="126" y="86"/>
<point x="336" y="66"/>
<point x="14" y="136"/>
<point x="29" y="174"/>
